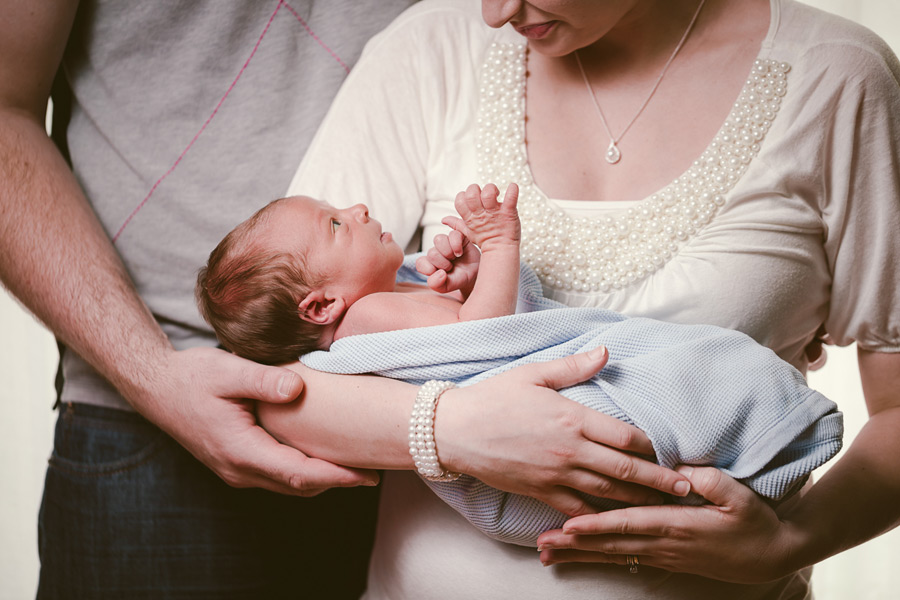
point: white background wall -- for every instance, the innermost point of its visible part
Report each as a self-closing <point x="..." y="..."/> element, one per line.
<point x="28" y="362"/>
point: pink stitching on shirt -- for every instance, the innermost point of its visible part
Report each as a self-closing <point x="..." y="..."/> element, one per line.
<point x="222" y="101"/>
<point x="315" y="37"/>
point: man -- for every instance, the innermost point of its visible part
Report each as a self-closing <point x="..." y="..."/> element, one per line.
<point x="183" y="115"/>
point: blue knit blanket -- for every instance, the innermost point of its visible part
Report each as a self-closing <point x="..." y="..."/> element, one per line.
<point x="703" y="395"/>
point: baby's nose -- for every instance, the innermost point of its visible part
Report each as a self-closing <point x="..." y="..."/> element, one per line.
<point x="361" y="212"/>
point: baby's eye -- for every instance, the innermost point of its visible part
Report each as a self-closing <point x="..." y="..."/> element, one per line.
<point x="334" y="225"/>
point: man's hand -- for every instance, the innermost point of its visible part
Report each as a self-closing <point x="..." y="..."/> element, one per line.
<point x="204" y="398"/>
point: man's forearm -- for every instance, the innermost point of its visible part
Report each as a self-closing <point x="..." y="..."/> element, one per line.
<point x="58" y="261"/>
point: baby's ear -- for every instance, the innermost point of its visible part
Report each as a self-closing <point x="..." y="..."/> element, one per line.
<point x="319" y="309"/>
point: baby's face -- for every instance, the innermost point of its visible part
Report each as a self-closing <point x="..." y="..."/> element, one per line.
<point x="345" y="245"/>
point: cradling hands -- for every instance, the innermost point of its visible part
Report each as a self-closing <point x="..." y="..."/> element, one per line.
<point x="737" y="537"/>
<point x="204" y="398"/>
<point x="515" y="432"/>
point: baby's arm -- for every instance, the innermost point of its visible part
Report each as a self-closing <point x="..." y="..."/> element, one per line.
<point x="494" y="227"/>
<point x="451" y="265"/>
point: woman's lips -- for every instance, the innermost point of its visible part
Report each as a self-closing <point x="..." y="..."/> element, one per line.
<point x="536" y="32"/>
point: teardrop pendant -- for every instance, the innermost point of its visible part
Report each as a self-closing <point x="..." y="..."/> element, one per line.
<point x="612" y="153"/>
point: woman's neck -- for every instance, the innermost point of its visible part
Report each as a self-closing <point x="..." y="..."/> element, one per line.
<point x="645" y="36"/>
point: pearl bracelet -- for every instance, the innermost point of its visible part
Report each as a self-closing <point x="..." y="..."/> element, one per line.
<point x="421" y="432"/>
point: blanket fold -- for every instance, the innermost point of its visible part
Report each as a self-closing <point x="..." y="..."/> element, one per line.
<point x="703" y="395"/>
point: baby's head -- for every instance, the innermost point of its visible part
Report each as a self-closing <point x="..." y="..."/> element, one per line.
<point x="278" y="284"/>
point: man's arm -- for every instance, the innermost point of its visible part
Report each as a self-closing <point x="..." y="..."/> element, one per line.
<point x="56" y="259"/>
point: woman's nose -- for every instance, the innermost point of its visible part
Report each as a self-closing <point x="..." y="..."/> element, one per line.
<point x="497" y="13"/>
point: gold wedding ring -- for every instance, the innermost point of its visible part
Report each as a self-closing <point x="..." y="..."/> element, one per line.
<point x="632" y="561"/>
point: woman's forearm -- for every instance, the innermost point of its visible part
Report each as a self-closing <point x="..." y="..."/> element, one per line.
<point x="856" y="500"/>
<point x="353" y="420"/>
<point x="512" y="431"/>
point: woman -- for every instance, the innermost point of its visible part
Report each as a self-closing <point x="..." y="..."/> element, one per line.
<point x="719" y="162"/>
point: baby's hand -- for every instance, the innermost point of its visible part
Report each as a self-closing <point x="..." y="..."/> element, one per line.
<point x="451" y="264"/>
<point x="484" y="220"/>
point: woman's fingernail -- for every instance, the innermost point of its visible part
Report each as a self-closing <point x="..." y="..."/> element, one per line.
<point x="685" y="470"/>
<point x="598" y="352"/>
<point x="682" y="488"/>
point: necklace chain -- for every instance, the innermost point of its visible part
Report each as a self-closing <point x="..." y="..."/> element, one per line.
<point x="613" y="154"/>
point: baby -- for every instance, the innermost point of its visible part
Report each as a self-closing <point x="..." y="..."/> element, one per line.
<point x="300" y="274"/>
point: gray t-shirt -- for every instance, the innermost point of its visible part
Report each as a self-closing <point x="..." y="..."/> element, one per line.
<point x="189" y="116"/>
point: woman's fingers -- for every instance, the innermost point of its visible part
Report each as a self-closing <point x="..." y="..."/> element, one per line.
<point x="609" y="432"/>
<point x="569" y="370"/>
<point x="603" y="486"/>
<point x="614" y="433"/>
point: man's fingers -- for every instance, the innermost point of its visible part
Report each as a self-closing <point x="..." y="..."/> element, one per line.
<point x="285" y="470"/>
<point x="247" y="379"/>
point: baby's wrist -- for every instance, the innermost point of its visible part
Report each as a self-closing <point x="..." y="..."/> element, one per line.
<point x="500" y="242"/>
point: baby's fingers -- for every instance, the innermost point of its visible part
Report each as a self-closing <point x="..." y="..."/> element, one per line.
<point x="457" y="242"/>
<point x="471" y="200"/>
<point x="443" y="245"/>
<point x="439" y="259"/>
<point x="489" y="196"/>
<point x="424" y="266"/>
<point x="511" y="198"/>
<point x="456" y="224"/>
<point x="437" y="281"/>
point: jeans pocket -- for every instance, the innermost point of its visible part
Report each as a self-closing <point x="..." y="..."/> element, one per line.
<point x="96" y="441"/>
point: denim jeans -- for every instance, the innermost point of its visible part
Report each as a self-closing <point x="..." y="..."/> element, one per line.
<point x="128" y="513"/>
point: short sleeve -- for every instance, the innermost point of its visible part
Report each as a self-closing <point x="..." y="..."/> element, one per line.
<point x="861" y="211"/>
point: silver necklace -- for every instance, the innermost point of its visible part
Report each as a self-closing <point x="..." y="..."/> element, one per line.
<point x="613" y="155"/>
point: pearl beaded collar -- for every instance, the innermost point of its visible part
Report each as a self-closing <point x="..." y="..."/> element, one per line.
<point x="596" y="255"/>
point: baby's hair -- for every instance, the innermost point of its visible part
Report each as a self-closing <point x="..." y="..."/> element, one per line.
<point x="250" y="295"/>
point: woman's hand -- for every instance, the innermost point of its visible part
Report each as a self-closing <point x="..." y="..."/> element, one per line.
<point x="516" y="433"/>
<point x="737" y="538"/>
